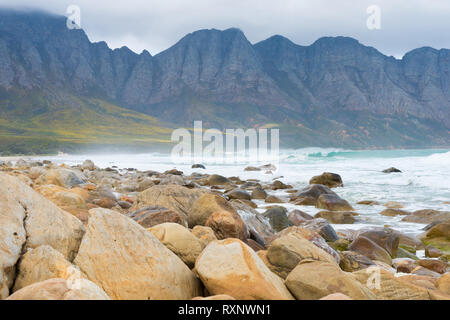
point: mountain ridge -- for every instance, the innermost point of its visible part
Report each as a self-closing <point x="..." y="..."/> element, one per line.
<point x="334" y="92"/>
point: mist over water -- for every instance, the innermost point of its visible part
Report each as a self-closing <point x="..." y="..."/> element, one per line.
<point x="423" y="184"/>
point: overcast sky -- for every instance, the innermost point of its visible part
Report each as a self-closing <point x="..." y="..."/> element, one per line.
<point x="156" y="25"/>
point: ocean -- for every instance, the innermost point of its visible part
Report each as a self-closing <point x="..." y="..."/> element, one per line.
<point x="424" y="182"/>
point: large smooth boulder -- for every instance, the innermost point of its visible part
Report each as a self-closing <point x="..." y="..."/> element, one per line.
<point x="179" y="240"/>
<point x="287" y="251"/>
<point x="331" y="180"/>
<point x="217" y="180"/>
<point x="62" y="177"/>
<point x="150" y="216"/>
<point x="333" y="203"/>
<point x="174" y="197"/>
<point x="233" y="268"/>
<point x="312" y="280"/>
<point x="28" y="220"/>
<point x="129" y="262"/>
<point x="227" y="224"/>
<point x="43" y="263"/>
<point x="370" y="249"/>
<point x="205" y="206"/>
<point x="60" y="289"/>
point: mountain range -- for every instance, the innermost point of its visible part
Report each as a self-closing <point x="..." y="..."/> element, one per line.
<point x="60" y="91"/>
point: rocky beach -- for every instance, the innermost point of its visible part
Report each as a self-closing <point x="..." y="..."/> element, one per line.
<point x="88" y="231"/>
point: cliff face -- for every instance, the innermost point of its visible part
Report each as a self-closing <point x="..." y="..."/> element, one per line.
<point x="334" y="92"/>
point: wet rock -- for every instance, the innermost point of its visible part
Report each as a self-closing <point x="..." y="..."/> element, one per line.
<point x="427" y="216"/>
<point x="174" y="172"/>
<point x="153" y="215"/>
<point x="273" y="199"/>
<point x="224" y="265"/>
<point x="370" y="249"/>
<point x="198" y="166"/>
<point x="433" y="265"/>
<point x="368" y="202"/>
<point x="331" y="180"/>
<point x="217" y="180"/>
<point x="394" y="212"/>
<point x="337" y="217"/>
<point x="322" y="227"/>
<point x="317" y="279"/>
<point x="438" y="236"/>
<point x="353" y="261"/>
<point x="333" y="203"/>
<point x="310" y="194"/>
<point x="391" y="170"/>
<point x="393" y="205"/>
<point x="404" y="265"/>
<point x="432" y="252"/>
<point x="385" y="238"/>
<point x="250" y="168"/>
<point x="297" y="217"/>
<point x="277" y="218"/>
<point x="259" y="193"/>
<point x="238" y="194"/>
<point x="277" y="185"/>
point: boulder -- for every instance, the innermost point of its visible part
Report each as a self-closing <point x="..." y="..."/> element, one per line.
<point x="204" y="234"/>
<point x="387" y="287"/>
<point x="198" y="166"/>
<point x="217" y="180"/>
<point x="370" y="249"/>
<point x="333" y="203"/>
<point x="322" y="227"/>
<point x="227" y="224"/>
<point x="143" y="268"/>
<point x="337" y="217"/>
<point x="259" y="193"/>
<point x="277" y="217"/>
<point x="231" y="267"/>
<point x="427" y="216"/>
<point x="438" y="236"/>
<point x="353" y="261"/>
<point x="62" y="177"/>
<point x="385" y="238"/>
<point x="443" y="283"/>
<point x="432" y="252"/>
<point x="311" y="280"/>
<point x="144" y="184"/>
<point x="310" y="194"/>
<point x="274" y="199"/>
<point x="287" y="251"/>
<point x="394" y="212"/>
<point x="433" y="265"/>
<point x="331" y="180"/>
<point x="297" y="217"/>
<point x="368" y="202"/>
<point x="150" y="216"/>
<point x="88" y="165"/>
<point x="238" y="194"/>
<point x="391" y="170"/>
<point x="60" y="289"/>
<point x="179" y="240"/>
<point x="43" y="263"/>
<point x="250" y="168"/>
<point x="205" y="206"/>
<point x="393" y="205"/>
<point x="277" y="185"/>
<point x="174" y="197"/>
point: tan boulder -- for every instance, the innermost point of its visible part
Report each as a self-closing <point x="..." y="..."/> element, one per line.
<point x="331" y="180"/>
<point x="205" y="206"/>
<point x="128" y="262"/>
<point x="25" y="221"/>
<point x="174" y="197"/>
<point x="204" y="234"/>
<point x="60" y="289"/>
<point x="287" y="251"/>
<point x="43" y="263"/>
<point x="312" y="280"/>
<point x="370" y="249"/>
<point x="387" y="287"/>
<point x="337" y="217"/>
<point x="227" y="224"/>
<point x="150" y="216"/>
<point x="231" y="267"/>
<point x="179" y="240"/>
<point x="443" y="283"/>
<point x="333" y="203"/>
